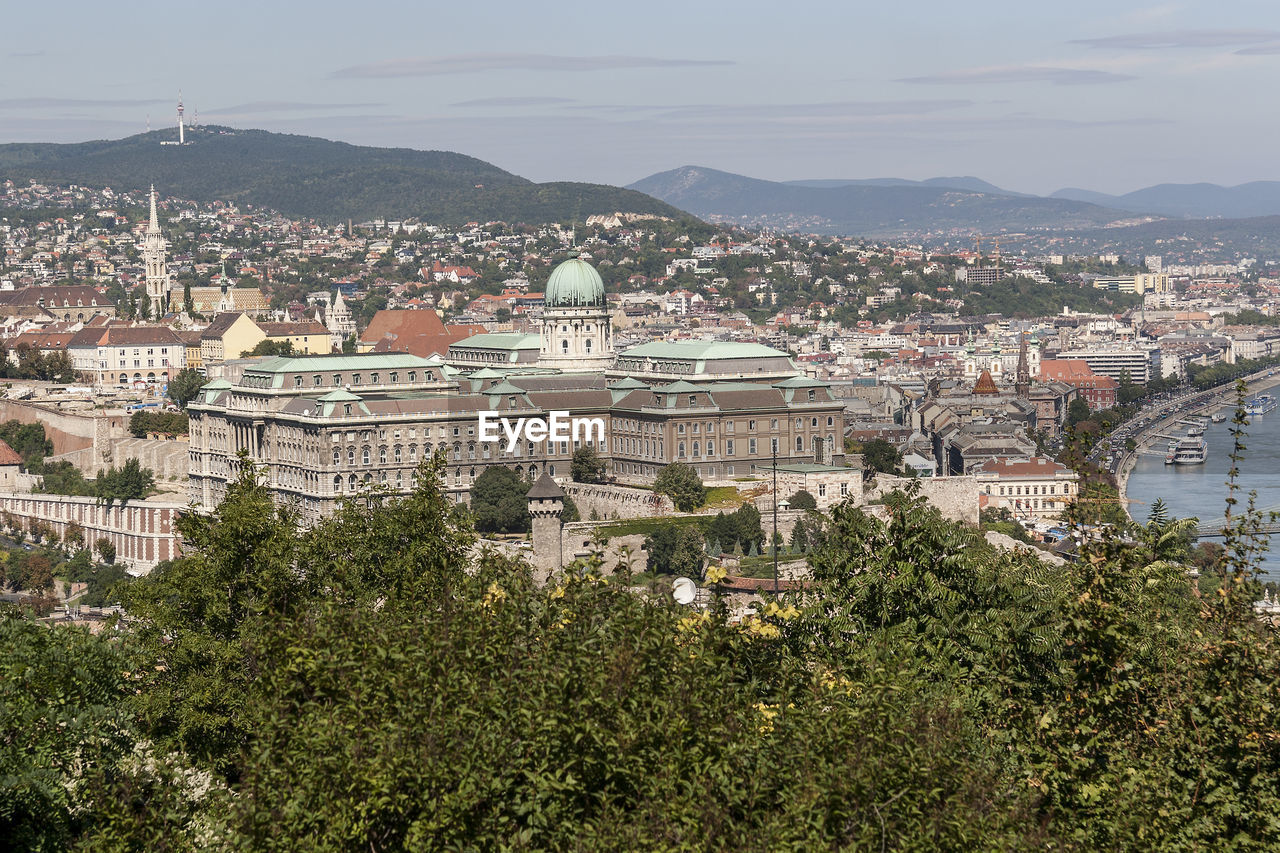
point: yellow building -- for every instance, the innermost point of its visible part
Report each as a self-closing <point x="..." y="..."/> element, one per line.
<point x="191" y="341"/>
<point x="233" y="334"/>
<point x="307" y="338"/>
<point x="228" y="336"/>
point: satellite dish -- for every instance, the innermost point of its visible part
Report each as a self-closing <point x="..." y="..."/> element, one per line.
<point x="684" y="591"/>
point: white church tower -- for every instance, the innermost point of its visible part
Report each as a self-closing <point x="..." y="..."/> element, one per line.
<point x="155" y="265"/>
<point x="340" y="323"/>
<point x="577" y="335"/>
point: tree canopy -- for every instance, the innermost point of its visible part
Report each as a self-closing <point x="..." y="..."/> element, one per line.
<point x="378" y="682"/>
<point x="680" y="482"/>
<point x="185" y="385"/>
<point x="499" y="501"/>
<point x="587" y="466"/>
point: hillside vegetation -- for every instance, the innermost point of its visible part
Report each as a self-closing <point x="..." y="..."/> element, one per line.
<point x="310" y="177"/>
<point x="375" y="683"/>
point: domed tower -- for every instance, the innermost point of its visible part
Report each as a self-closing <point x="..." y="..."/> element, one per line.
<point x="576" y="333"/>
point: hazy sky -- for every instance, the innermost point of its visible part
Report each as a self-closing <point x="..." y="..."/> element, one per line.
<point x="1030" y="95"/>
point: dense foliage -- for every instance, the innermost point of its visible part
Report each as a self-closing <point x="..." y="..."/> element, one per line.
<point x="587" y="466"/>
<point x="185" y="385"/>
<point x="28" y="441"/>
<point x="144" y="422"/>
<point x="375" y="683"/>
<point x="680" y="482"/>
<point x="266" y="346"/>
<point x="27" y="362"/>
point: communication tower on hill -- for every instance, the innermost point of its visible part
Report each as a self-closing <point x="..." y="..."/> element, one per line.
<point x="182" y="134"/>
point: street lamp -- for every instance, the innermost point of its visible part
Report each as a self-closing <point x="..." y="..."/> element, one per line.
<point x="784" y="506"/>
<point x="773" y="450"/>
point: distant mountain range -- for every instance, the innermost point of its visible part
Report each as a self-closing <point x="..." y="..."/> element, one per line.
<point x="891" y="206"/>
<point x="967" y="183"/>
<point x="1190" y="201"/>
<point x="309" y="177"/>
<point x="873" y="208"/>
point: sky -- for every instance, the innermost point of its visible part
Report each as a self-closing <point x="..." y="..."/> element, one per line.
<point x="1032" y="96"/>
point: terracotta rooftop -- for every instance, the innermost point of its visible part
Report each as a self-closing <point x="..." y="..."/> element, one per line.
<point x="8" y="456"/>
<point x="985" y="384"/>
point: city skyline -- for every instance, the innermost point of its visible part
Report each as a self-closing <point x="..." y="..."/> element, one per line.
<point x="1033" y="100"/>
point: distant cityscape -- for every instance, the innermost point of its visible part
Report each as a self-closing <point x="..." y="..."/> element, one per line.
<point x="339" y="357"/>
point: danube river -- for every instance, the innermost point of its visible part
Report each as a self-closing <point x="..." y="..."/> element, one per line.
<point x="1200" y="490"/>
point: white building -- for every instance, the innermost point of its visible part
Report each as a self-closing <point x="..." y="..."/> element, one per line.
<point x="127" y="356"/>
<point x="1031" y="489"/>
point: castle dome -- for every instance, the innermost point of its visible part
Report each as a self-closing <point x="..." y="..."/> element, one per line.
<point x="575" y="284"/>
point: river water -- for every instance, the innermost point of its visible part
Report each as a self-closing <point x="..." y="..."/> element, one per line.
<point x="1201" y="491"/>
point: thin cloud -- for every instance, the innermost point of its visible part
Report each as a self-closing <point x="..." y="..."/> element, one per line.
<point x="25" y="54"/>
<point x="255" y="107"/>
<point x="58" y="103"/>
<point x="1260" y="50"/>
<point x="1022" y="74"/>
<point x="1179" y="39"/>
<point x="765" y="112"/>
<point x="531" y="101"/>
<point x="475" y="62"/>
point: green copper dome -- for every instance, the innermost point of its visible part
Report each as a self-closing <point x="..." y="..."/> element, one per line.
<point x="575" y="284"/>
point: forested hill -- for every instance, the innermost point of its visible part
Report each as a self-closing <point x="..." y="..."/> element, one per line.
<point x="319" y="178"/>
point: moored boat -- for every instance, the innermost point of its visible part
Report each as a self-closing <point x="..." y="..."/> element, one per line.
<point x="1191" y="451"/>
<point x="1261" y="404"/>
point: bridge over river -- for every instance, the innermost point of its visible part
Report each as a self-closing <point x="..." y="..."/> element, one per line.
<point x="1270" y="517"/>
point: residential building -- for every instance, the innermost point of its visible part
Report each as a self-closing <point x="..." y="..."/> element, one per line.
<point x="127" y="356"/>
<point x="1031" y="488"/>
<point x="1095" y="389"/>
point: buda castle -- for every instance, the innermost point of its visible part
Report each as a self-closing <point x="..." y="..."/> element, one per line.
<point x="327" y="426"/>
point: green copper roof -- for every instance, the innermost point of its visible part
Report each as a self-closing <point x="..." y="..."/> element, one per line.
<point x="338" y="396"/>
<point x="677" y="387"/>
<point x="499" y="341"/>
<point x="339" y="361"/>
<point x="628" y="384"/>
<point x="800" y="382"/>
<point x="504" y="387"/>
<point x="575" y="284"/>
<point x="706" y="350"/>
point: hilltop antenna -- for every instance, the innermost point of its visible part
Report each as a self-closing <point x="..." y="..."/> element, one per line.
<point x="181" y="136"/>
<point x="148" y="122"/>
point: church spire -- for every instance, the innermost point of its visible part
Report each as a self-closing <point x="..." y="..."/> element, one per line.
<point x="154" y="226"/>
<point x="1022" y="386"/>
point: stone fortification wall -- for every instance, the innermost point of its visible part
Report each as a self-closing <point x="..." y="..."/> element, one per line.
<point x="578" y="538"/>
<point x="143" y="532"/>
<point x="168" y="460"/>
<point x="956" y="497"/>
<point x="69" y="431"/>
<point x="621" y="502"/>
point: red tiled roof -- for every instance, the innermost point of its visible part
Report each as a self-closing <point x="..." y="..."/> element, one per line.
<point x="8" y="456"/>
<point x="420" y="332"/>
<point x="1037" y="466"/>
